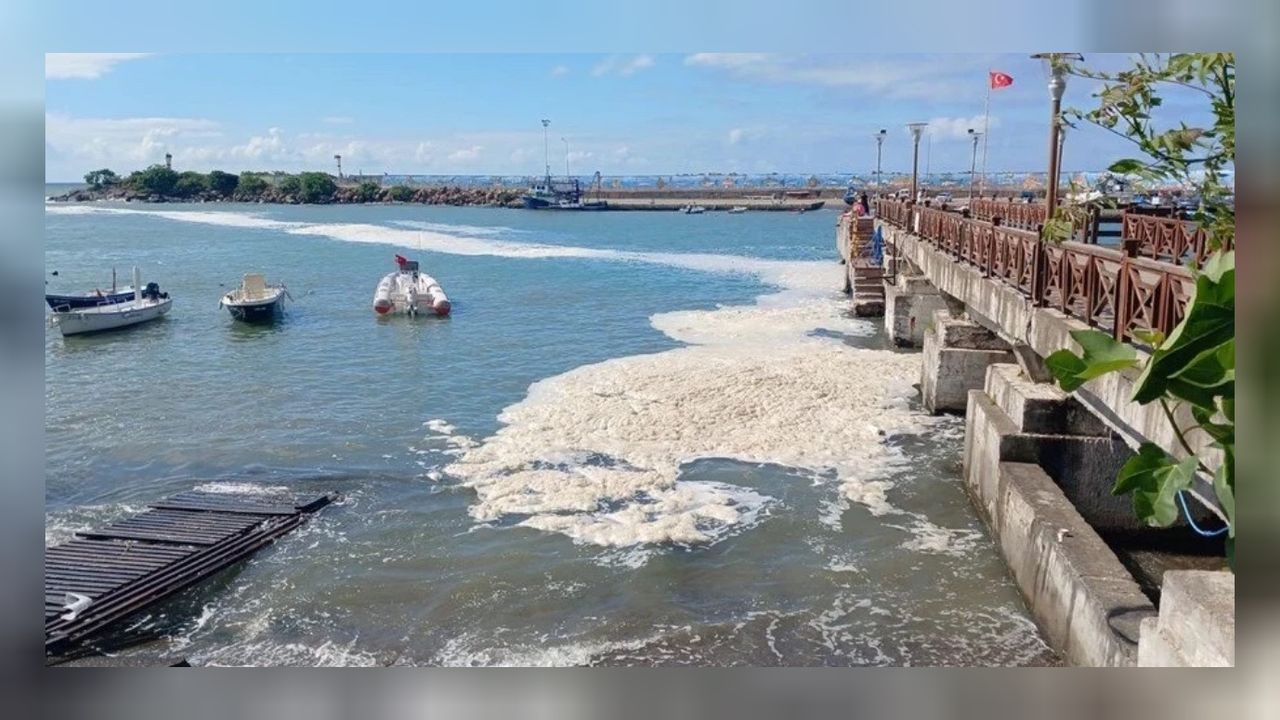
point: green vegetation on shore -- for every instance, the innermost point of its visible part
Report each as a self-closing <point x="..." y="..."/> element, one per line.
<point x="159" y="183"/>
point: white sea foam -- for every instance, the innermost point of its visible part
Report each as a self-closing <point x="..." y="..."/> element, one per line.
<point x="596" y="453"/>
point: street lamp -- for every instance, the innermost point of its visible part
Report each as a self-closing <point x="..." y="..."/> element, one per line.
<point x="546" y="148"/>
<point x="1058" y="66"/>
<point x="879" y="146"/>
<point x="973" y="163"/>
<point x="917" y="129"/>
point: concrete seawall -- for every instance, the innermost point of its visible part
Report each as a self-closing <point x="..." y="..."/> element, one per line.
<point x="1039" y="464"/>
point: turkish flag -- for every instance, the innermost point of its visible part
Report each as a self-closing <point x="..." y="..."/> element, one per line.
<point x="1000" y="80"/>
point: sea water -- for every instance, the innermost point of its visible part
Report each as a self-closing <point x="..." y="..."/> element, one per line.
<point x="641" y="438"/>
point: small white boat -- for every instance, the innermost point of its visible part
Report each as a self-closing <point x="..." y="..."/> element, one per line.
<point x="254" y="299"/>
<point x="147" y="304"/>
<point x="407" y="290"/>
<point x="737" y="209"/>
<point x="694" y="210"/>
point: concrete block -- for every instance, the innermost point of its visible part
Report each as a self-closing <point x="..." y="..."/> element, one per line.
<point x="1083" y="599"/>
<point x="949" y="373"/>
<point x="1197" y="621"/>
<point x="909" y="305"/>
<point x="959" y="332"/>
<point x="1084" y="467"/>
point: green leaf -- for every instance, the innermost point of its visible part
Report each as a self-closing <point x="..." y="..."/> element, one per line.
<point x="1217" y="264"/>
<point x="1209" y="323"/>
<point x="1154" y="479"/>
<point x="1127" y="166"/>
<point x="1150" y="337"/>
<point x="1103" y="353"/>
<point x="1066" y="368"/>
<point x="1224" y="485"/>
<point x="1138" y="471"/>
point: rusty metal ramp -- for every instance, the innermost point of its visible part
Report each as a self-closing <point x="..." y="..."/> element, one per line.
<point x="105" y="575"/>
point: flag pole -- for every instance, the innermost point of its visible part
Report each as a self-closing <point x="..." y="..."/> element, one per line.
<point x="986" y="133"/>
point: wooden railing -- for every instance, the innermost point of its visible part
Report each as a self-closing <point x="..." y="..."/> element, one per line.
<point x="1113" y="290"/>
<point x="1164" y="238"/>
<point x="1024" y="216"/>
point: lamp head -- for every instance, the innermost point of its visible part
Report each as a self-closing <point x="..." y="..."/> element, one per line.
<point x="917" y="129"/>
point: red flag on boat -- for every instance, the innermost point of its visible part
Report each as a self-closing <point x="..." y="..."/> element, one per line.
<point x="1000" y="80"/>
<point x="401" y="260"/>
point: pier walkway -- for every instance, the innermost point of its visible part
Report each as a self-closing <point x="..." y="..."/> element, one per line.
<point x="105" y="575"/>
<point x="986" y="299"/>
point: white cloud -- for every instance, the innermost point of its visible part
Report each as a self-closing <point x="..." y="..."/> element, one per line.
<point x="466" y="154"/>
<point x="958" y="127"/>
<point x="86" y="66"/>
<point x="619" y="65"/>
<point x="559" y="71"/>
<point x="727" y="60"/>
<point x="337" y="120"/>
<point x="739" y="135"/>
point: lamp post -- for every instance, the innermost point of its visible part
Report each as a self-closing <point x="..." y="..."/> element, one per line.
<point x="1057" y="67"/>
<point x="917" y="129"/>
<point x="1062" y="141"/>
<point x="879" y="146"/>
<point x="973" y="163"/>
<point x="546" y="148"/>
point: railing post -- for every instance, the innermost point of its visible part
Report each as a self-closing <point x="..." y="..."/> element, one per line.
<point x="1038" y="270"/>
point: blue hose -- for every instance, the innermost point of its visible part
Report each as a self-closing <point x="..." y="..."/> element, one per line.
<point x="1191" y="521"/>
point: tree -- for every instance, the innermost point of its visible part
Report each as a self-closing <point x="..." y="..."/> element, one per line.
<point x="401" y="193"/>
<point x="190" y="184"/>
<point x="1194" y="367"/>
<point x="249" y="186"/>
<point x="290" y="185"/>
<point x="222" y="183"/>
<point x="316" y="187"/>
<point x="367" y="192"/>
<point x="157" y="180"/>
<point x="99" y="178"/>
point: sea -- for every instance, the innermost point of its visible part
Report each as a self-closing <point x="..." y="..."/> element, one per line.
<point x="641" y="438"/>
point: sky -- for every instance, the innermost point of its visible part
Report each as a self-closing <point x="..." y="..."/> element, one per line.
<point x="619" y="114"/>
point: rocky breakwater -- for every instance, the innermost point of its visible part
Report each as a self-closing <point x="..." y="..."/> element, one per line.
<point x="345" y="194"/>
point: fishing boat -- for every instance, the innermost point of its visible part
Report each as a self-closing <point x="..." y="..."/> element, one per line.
<point x="147" y="304"/>
<point x="254" y="300"/>
<point x="693" y="210"/>
<point x="409" y="291"/>
<point x="91" y="298"/>
<point x="737" y="209"/>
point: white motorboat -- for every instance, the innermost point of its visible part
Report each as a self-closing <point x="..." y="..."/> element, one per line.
<point x="737" y="209"/>
<point x="254" y="300"/>
<point x="410" y="291"/>
<point x="147" y="304"/>
<point x="694" y="210"/>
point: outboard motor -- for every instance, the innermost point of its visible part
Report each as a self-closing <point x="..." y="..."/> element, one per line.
<point x="152" y="291"/>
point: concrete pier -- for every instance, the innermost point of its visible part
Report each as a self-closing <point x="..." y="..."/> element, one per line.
<point x="909" y="304"/>
<point x="957" y="352"/>
<point x="1040" y="464"/>
<point x="1082" y="597"/>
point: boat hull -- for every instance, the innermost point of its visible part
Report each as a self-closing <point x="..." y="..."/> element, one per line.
<point x="264" y="311"/>
<point x="535" y="203"/>
<point x="59" y="303"/>
<point x="410" y="294"/>
<point x="110" y="317"/>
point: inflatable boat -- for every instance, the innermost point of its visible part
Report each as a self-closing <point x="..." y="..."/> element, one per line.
<point x="409" y="291"/>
